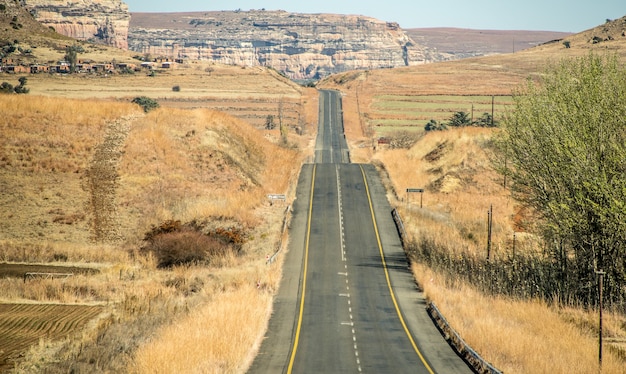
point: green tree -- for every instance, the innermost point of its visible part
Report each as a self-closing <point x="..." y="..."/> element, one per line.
<point x="269" y="122"/>
<point x="146" y="103"/>
<point x="565" y="151"/>
<point x="460" y="119"/>
<point x="21" y="88"/>
<point x="486" y="120"/>
<point x="433" y="125"/>
<point x="6" y="87"/>
<point x="71" y="55"/>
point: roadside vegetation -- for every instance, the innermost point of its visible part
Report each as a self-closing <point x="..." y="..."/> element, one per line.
<point x="167" y="213"/>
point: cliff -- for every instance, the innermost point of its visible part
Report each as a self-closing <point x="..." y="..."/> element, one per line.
<point x="99" y="21"/>
<point x="303" y="46"/>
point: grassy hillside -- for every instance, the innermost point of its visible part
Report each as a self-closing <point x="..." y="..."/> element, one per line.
<point x="85" y="176"/>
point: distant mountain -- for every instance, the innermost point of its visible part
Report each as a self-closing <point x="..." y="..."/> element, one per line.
<point x="302" y="46"/>
<point x="455" y="43"/>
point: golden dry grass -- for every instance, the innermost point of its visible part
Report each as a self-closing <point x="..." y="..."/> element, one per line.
<point x="516" y="336"/>
<point x="185" y="164"/>
<point x="214" y="339"/>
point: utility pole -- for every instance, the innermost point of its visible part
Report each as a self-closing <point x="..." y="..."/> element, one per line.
<point x="489" y="223"/>
<point x="600" y="285"/>
<point x="492" y="104"/>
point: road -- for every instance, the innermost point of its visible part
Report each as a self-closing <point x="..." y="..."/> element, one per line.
<point x="347" y="302"/>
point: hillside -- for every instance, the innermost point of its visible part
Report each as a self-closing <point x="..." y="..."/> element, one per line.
<point x="85" y="175"/>
<point x="462" y="43"/>
<point x="25" y="40"/>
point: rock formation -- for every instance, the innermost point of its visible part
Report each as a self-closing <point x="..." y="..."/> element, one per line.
<point x="99" y="21"/>
<point x="303" y="46"/>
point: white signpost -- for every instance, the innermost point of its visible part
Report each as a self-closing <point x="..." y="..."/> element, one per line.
<point x="274" y="197"/>
<point x="421" y="192"/>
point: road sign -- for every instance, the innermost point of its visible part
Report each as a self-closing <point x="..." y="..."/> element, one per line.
<point x="276" y="197"/>
<point x="414" y="190"/>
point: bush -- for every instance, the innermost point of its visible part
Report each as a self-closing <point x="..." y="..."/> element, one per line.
<point x="146" y="103"/>
<point x="6" y="87"/>
<point x="173" y="243"/>
<point x="184" y="248"/>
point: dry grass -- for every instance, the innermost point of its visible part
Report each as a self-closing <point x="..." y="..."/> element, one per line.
<point x="517" y="336"/>
<point x="214" y="339"/>
<point x="454" y="169"/>
<point x="183" y="164"/>
<point x="189" y="164"/>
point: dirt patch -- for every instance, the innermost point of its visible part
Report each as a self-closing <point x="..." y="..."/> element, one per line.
<point x="102" y="182"/>
<point x="18" y="270"/>
<point x="438" y="152"/>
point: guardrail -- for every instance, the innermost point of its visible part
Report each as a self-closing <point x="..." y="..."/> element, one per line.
<point x="477" y="363"/>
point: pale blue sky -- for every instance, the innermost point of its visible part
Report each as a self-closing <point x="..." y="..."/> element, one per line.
<point x="545" y="15"/>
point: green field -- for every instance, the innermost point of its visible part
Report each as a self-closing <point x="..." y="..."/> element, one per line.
<point x="390" y="113"/>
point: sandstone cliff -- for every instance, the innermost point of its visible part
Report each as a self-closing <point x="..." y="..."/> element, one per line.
<point x="99" y="21"/>
<point x="303" y="46"/>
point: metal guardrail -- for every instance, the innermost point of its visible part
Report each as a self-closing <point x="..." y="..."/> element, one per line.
<point x="467" y="353"/>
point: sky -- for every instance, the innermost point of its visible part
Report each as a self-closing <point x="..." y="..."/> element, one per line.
<point x="544" y="15"/>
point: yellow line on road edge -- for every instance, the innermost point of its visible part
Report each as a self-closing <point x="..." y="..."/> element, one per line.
<point x="304" y="272"/>
<point x="393" y="297"/>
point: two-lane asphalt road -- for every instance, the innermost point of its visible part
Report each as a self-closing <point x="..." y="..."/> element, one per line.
<point x="347" y="302"/>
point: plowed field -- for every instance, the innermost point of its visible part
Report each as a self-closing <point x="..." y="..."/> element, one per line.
<point x="22" y="325"/>
<point x="8" y="270"/>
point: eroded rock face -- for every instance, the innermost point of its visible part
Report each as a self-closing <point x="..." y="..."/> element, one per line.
<point x="99" y="21"/>
<point x="303" y="46"/>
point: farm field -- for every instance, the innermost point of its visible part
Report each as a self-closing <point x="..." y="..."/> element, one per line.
<point x="391" y="113"/>
<point x="251" y="94"/>
<point x="22" y="325"/>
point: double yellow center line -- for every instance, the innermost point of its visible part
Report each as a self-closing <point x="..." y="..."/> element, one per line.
<point x="384" y="263"/>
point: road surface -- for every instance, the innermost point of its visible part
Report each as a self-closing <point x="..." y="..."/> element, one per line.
<point x="347" y="302"/>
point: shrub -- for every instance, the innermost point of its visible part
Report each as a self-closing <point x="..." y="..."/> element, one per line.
<point x="6" y="87"/>
<point x="146" y="103"/>
<point x="184" y="248"/>
<point x="173" y="243"/>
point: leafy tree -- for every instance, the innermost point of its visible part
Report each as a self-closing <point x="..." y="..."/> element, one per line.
<point x="21" y="88"/>
<point x="269" y="122"/>
<point x="433" y="125"/>
<point x="71" y="56"/>
<point x="146" y="103"/>
<point x="486" y="120"/>
<point x="565" y="146"/>
<point x="460" y="119"/>
<point x="6" y="87"/>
